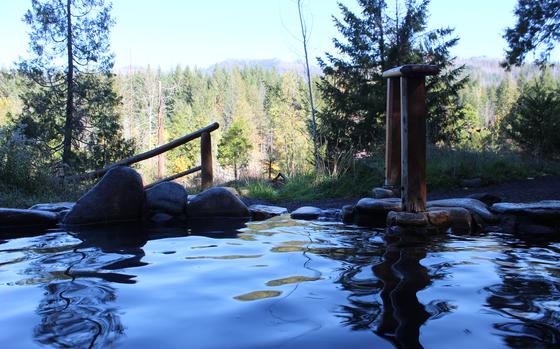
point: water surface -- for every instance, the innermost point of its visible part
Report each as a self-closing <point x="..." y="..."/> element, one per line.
<point x="276" y="284"/>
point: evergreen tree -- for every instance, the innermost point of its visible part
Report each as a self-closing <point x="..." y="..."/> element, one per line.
<point x="538" y="26"/>
<point x="355" y="92"/>
<point x="534" y="120"/>
<point x="69" y="103"/>
<point x="233" y="149"/>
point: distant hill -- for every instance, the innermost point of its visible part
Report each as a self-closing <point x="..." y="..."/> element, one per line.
<point x="268" y="64"/>
<point x="488" y="73"/>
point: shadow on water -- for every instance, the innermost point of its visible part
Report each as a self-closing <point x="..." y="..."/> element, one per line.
<point x="79" y="278"/>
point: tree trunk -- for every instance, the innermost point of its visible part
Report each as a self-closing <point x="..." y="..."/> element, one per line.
<point x="313" y="124"/>
<point x="161" y="157"/>
<point x="67" y="142"/>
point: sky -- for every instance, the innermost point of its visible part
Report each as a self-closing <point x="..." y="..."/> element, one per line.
<point x="165" y="33"/>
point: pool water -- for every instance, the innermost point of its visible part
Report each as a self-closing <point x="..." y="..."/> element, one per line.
<point x="280" y="283"/>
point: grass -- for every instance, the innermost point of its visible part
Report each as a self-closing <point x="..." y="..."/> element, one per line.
<point x="446" y="169"/>
<point x="16" y="197"/>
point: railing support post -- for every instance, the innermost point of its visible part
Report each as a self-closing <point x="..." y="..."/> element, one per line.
<point x="207" y="174"/>
<point x="393" y="136"/>
<point x="412" y="133"/>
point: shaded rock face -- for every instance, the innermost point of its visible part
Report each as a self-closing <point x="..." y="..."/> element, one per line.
<point x="382" y="193"/>
<point x="262" y="212"/>
<point x="373" y="212"/>
<point x="476" y="207"/>
<point x="348" y="214"/>
<point x="307" y="213"/>
<point x="217" y="202"/>
<point x="407" y="219"/>
<point x="535" y="218"/>
<point x="488" y="199"/>
<point x="118" y="196"/>
<point x="53" y="207"/>
<point x="167" y="197"/>
<point x="16" y="217"/>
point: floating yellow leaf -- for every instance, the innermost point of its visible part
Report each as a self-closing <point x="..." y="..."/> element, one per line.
<point x="256" y="295"/>
<point x="291" y="280"/>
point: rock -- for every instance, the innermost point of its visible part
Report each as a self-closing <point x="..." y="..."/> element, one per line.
<point x="53" y="207"/>
<point x="18" y="217"/>
<point x="118" y="196"/>
<point x="458" y="219"/>
<point x="382" y="193"/>
<point x="536" y="229"/>
<point x="331" y="214"/>
<point x="348" y="214"/>
<point x="438" y="217"/>
<point x="233" y="191"/>
<point x="407" y="219"/>
<point x="161" y="217"/>
<point x="488" y="199"/>
<point x="217" y="202"/>
<point x="471" y="183"/>
<point x="306" y="213"/>
<point x="168" y="197"/>
<point x="262" y="212"/>
<point x="541" y="209"/>
<point x="373" y="212"/>
<point x="474" y="206"/>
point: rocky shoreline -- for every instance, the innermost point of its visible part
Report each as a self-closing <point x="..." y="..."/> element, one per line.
<point x="120" y="197"/>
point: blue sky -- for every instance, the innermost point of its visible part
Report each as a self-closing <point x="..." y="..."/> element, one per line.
<point x="201" y="32"/>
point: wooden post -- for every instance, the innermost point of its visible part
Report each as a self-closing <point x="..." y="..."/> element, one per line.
<point x="161" y="157"/>
<point x="393" y="135"/>
<point x="207" y="174"/>
<point x="413" y="133"/>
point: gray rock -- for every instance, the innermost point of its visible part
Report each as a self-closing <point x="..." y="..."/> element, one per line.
<point x="306" y="213"/>
<point x="262" y="212"/>
<point x="233" y="191"/>
<point x="382" y="193"/>
<point x="536" y="229"/>
<point x="407" y="219"/>
<point x="118" y="196"/>
<point x="168" y="197"/>
<point x="458" y="219"/>
<point x="17" y="217"/>
<point x="161" y="217"/>
<point x="348" y="214"/>
<point x="543" y="209"/>
<point x="373" y="212"/>
<point x="53" y="207"/>
<point x="474" y="206"/>
<point x="488" y="199"/>
<point x="217" y="202"/>
<point x="331" y="214"/>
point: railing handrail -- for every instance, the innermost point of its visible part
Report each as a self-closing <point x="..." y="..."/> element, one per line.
<point x="148" y="154"/>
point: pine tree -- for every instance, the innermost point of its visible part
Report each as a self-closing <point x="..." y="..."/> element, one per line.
<point x="233" y="149"/>
<point x="537" y="27"/>
<point x="69" y="104"/>
<point x="354" y="91"/>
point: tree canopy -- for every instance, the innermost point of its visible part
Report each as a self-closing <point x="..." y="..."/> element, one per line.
<point x="537" y="27"/>
<point x="354" y="91"/>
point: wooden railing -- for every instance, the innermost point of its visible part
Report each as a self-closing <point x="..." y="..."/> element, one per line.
<point x="207" y="176"/>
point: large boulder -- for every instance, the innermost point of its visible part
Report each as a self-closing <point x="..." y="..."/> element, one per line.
<point x="476" y="207"/>
<point x="16" y="217"/>
<point x="541" y="209"/>
<point x="217" y="202"/>
<point x="167" y="197"/>
<point x="53" y="207"/>
<point x="118" y="196"/>
<point x="373" y="212"/>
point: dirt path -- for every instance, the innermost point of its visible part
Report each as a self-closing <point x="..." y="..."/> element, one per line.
<point x="528" y="190"/>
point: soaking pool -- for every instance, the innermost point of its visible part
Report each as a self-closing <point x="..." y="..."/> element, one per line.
<point x="280" y="283"/>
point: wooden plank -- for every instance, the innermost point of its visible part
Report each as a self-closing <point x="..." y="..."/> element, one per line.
<point x="393" y="135"/>
<point x="149" y="154"/>
<point x="413" y="136"/>
<point x="411" y="70"/>
<point x="175" y="176"/>
<point x="207" y="174"/>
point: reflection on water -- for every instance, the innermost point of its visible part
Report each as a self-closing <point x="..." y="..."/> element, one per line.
<point x="276" y="283"/>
